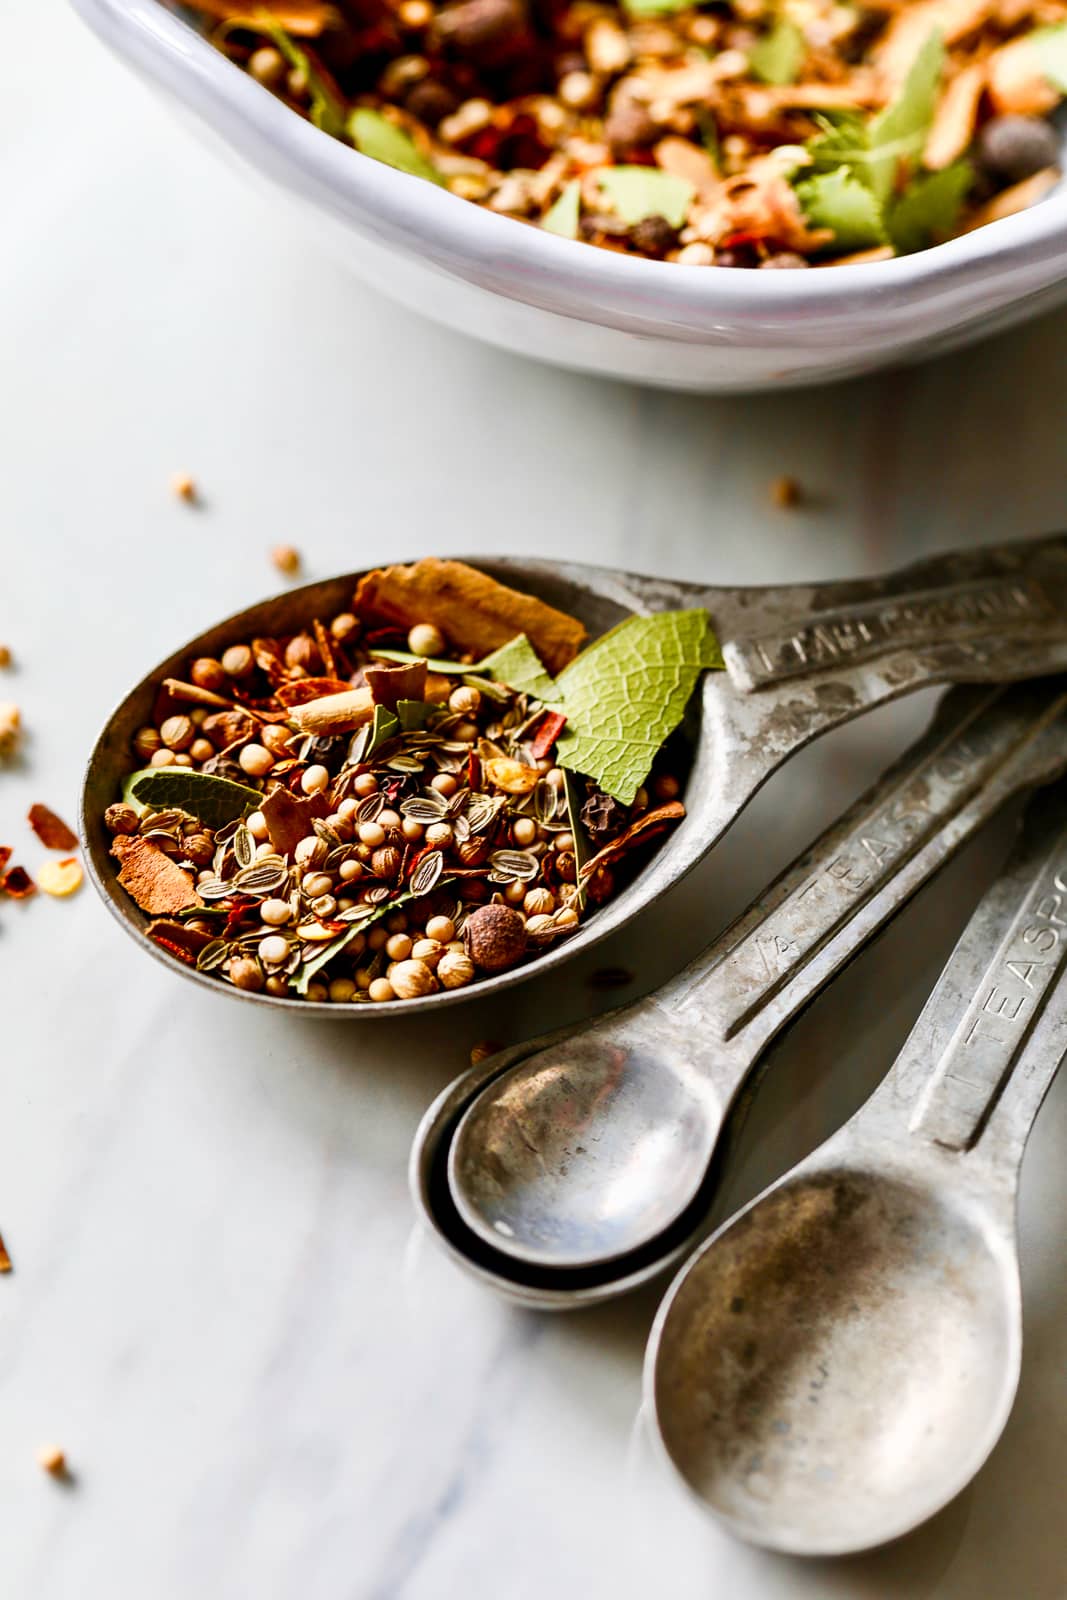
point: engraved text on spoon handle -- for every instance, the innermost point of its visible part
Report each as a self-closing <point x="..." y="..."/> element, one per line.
<point x="981" y="748"/>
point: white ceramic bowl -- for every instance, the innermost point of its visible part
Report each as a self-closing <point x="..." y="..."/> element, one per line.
<point x="701" y="328"/>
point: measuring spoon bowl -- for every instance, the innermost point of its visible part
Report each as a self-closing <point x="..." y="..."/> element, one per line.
<point x="843" y="1360"/>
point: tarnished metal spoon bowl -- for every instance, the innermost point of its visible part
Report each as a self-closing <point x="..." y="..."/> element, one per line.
<point x="800" y="660"/>
<point x="842" y="1362"/>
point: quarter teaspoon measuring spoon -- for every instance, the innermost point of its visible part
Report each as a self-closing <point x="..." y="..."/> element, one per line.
<point x="592" y="1147"/>
<point x="839" y="1359"/>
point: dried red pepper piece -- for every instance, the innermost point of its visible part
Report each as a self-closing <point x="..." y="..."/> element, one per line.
<point x="51" y="830"/>
<point x="547" y="732"/>
<point x="17" y="883"/>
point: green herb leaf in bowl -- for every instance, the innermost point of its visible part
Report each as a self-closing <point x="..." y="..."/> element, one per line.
<point x="638" y="192"/>
<point x="375" y="136"/>
<point x="212" y="801"/>
<point x="778" y="56"/>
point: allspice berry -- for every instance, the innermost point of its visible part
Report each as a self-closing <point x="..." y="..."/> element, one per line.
<point x="245" y="974"/>
<point x="495" y="937"/>
<point x="199" y="848"/>
<point x="302" y="651"/>
<point x="385" y="863"/>
<point x="207" y="673"/>
<point x="177" y="733"/>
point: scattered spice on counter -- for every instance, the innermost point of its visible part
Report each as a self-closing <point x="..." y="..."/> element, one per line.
<point x="785" y="493"/>
<point x="406" y="797"/>
<point x="286" y="558"/>
<point x="5" y="656"/>
<point x="60" y="878"/>
<point x="10" y="728"/>
<point x="51" y="1459"/>
<point x="51" y="830"/>
<point x="184" y="488"/>
<point x="745" y="133"/>
<point x="5" y="1259"/>
<point x="17" y="884"/>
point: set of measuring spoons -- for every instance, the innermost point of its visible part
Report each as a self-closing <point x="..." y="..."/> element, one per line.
<point x="835" y="1362"/>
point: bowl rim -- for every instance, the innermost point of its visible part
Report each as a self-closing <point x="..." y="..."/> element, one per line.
<point x="528" y="264"/>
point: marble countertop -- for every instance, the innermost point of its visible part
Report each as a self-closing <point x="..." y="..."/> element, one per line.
<point x="266" y="1383"/>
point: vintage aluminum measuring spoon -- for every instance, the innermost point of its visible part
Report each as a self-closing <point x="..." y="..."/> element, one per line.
<point x="839" y="1359"/>
<point x="593" y="1146"/>
<point x="800" y="660"/>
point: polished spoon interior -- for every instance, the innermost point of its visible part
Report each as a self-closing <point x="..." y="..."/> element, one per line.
<point x="839" y="1359"/>
<point x="800" y="660"/>
<point x="571" y="1155"/>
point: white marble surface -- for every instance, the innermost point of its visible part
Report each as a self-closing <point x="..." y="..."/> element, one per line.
<point x="266" y="1386"/>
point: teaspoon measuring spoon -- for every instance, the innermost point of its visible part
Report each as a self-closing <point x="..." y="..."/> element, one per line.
<point x="579" y="1151"/>
<point x="839" y="1359"/>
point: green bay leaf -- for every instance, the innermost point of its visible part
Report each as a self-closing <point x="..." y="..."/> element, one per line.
<point x="562" y="216"/>
<point x="638" y="192"/>
<point x="627" y="692"/>
<point x="326" y="952"/>
<point x="518" y="665"/>
<point x="213" y="801"/>
<point x="777" y="57"/>
<point x="384" y="727"/>
<point x="375" y="136"/>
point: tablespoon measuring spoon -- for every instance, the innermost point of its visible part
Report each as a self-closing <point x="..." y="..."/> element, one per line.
<point x="592" y="1145"/>
<point x="839" y="1359"/>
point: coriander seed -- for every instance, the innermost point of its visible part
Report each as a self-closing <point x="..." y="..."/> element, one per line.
<point x="376" y="938"/>
<point x="255" y="760"/>
<point x="412" y="831"/>
<point x="183" y="759"/>
<point x="349" y="870"/>
<point x="428" y="951"/>
<point x="380" y="989"/>
<point x="371" y="833"/>
<point x="162" y="758"/>
<point x="365" y="784"/>
<point x="443" y="929"/>
<point x="318" y="992"/>
<point x="245" y="974"/>
<point x="344" y="627"/>
<point x="439" y="834"/>
<point x="411" y="980"/>
<point x="398" y="947"/>
<point x="342" y="990"/>
<point x="445" y="784"/>
<point x="466" y="701"/>
<point x="146" y="742"/>
<point x="273" y="949"/>
<point x="315" y="779"/>
<point x="426" y="640"/>
<point x="202" y="750"/>
<point x="455" y="969"/>
<point x="207" y="673"/>
<point x="237" y="661"/>
<point x="286" y="558"/>
<point x="278" y="985"/>
<point x="267" y="66"/>
<point x="256" y="823"/>
<point x="316" y="883"/>
<point x="276" y="738"/>
<point x="276" y="913"/>
<point x="524" y="831"/>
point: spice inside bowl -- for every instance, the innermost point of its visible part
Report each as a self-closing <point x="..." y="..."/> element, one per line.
<point x="740" y="134"/>
<point x="433" y="786"/>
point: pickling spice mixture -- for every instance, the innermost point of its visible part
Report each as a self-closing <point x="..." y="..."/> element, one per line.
<point x="738" y="133"/>
<point x="432" y="787"/>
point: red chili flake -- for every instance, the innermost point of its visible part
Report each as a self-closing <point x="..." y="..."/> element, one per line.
<point x="749" y="236"/>
<point x="548" y="731"/>
<point x="474" y="770"/>
<point x="409" y="866"/>
<point x="236" y="907"/>
<point x="5" y="857"/>
<point x="18" y="884"/>
<point x="51" y="830"/>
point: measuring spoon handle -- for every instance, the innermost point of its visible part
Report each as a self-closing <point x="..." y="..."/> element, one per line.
<point x="986" y="615"/>
<point x="981" y="1057"/>
<point x="982" y="747"/>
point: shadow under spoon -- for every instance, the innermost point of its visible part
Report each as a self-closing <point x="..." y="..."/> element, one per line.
<point x="592" y="1147"/>
<point x="839" y="1359"/>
